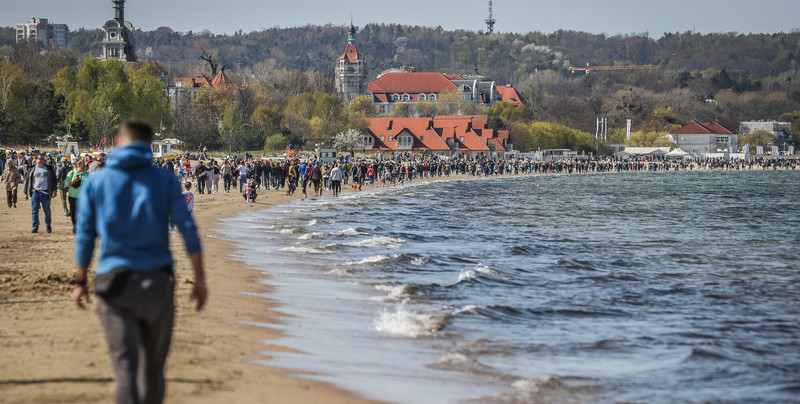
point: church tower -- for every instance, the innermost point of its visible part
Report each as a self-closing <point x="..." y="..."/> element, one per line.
<point x="118" y="39"/>
<point x="351" y="69"/>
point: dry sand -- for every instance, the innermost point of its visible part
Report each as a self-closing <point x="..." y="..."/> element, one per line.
<point x="50" y="351"/>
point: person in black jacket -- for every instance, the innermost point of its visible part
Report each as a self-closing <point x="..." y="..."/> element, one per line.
<point x="61" y="175"/>
<point x="41" y="186"/>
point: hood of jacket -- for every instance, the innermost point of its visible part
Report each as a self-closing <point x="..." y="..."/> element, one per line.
<point x="131" y="157"/>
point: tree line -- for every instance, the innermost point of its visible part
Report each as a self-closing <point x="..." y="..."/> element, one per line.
<point x="288" y="93"/>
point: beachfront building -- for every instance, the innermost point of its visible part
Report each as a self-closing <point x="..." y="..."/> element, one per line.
<point x="701" y="138"/>
<point x="351" y="69"/>
<point x="406" y="85"/>
<point x="39" y="30"/>
<point x="118" y="38"/>
<point x="781" y="130"/>
<point x="463" y="135"/>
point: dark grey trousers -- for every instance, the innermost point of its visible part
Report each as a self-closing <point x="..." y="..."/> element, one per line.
<point x="138" y="327"/>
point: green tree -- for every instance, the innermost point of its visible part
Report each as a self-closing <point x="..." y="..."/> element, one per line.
<point x="276" y="142"/>
<point x="761" y="137"/>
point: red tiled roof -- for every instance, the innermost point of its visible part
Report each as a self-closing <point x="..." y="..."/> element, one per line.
<point x="510" y="95"/>
<point x="695" y="127"/>
<point x="222" y="81"/>
<point x="351" y="54"/>
<point x="410" y="83"/>
<point x="432" y="134"/>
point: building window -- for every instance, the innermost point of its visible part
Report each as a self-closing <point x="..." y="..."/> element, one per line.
<point x="406" y="97"/>
<point x="432" y="97"/>
<point x="391" y="138"/>
<point x="383" y="138"/>
<point x="395" y="97"/>
<point x="421" y="138"/>
<point x="462" y="138"/>
<point x="422" y="97"/>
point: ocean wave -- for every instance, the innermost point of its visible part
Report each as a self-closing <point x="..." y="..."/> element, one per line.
<point x="467" y="275"/>
<point x="389" y="242"/>
<point x="374" y="259"/>
<point x="290" y="230"/>
<point x="309" y="236"/>
<point x="352" y="231"/>
<point x="302" y="250"/>
<point x="408" y="323"/>
<point x="312" y="222"/>
<point x="394" y="292"/>
<point x="419" y="261"/>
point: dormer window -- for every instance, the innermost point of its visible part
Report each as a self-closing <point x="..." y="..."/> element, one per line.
<point x="395" y="97"/>
<point x="406" y="97"/>
<point x="432" y="97"/>
<point x="422" y="97"/>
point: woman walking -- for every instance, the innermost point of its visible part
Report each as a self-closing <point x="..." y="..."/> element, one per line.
<point x="74" y="181"/>
<point x="11" y="177"/>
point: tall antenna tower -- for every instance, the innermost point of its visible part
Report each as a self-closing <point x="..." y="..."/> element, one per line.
<point x="490" y="21"/>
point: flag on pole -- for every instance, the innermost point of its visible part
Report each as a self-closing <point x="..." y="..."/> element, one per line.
<point x="730" y="149"/>
<point x="791" y="150"/>
<point x="760" y="150"/>
<point x="775" y="150"/>
<point x="746" y="149"/>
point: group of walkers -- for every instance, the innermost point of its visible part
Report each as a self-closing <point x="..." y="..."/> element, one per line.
<point x="45" y="177"/>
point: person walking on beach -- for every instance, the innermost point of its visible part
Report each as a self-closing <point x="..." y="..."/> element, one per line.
<point x="336" y="179"/>
<point x="41" y="187"/>
<point x="61" y="176"/>
<point x="74" y="181"/>
<point x="129" y="205"/>
<point x="11" y="177"/>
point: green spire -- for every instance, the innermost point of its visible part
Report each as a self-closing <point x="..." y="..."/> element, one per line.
<point x="119" y="10"/>
<point x="351" y="35"/>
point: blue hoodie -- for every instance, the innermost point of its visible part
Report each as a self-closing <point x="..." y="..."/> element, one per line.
<point x="128" y="205"/>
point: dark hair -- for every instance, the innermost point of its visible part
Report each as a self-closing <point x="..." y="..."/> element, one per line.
<point x="138" y="129"/>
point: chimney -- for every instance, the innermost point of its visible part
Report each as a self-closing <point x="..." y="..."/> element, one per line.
<point x="389" y="125"/>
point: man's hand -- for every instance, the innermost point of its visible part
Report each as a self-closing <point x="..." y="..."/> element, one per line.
<point x="200" y="294"/>
<point x="26" y="197"/>
<point x="79" y="292"/>
<point x="54" y="194"/>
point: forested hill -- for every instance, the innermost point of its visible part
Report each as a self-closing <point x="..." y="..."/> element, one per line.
<point x="505" y="57"/>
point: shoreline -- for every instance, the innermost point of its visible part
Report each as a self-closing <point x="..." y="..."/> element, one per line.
<point x="63" y="350"/>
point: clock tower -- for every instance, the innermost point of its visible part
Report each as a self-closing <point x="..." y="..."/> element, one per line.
<point x="351" y="69"/>
<point x="118" y="38"/>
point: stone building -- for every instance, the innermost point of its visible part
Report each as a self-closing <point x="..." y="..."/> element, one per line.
<point x="351" y="70"/>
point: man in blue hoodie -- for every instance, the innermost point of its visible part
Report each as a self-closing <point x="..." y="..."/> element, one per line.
<point x="129" y="206"/>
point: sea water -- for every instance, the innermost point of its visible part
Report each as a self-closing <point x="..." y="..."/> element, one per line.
<point x="644" y="287"/>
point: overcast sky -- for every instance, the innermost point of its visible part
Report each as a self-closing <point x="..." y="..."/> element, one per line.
<point x="598" y="16"/>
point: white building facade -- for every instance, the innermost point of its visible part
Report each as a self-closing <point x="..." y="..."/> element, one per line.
<point x="781" y="130"/>
<point x="40" y="30"/>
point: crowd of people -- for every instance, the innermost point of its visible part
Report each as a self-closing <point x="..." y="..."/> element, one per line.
<point x="46" y="176"/>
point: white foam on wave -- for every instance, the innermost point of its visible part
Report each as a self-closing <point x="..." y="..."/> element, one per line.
<point x="484" y="269"/>
<point x="339" y="272"/>
<point x="374" y="259"/>
<point x="309" y="236"/>
<point x="394" y="292"/>
<point x="290" y="230"/>
<point x="470" y="308"/>
<point x="351" y="231"/>
<point x="419" y="261"/>
<point x="312" y="222"/>
<point x="466" y="275"/>
<point x="407" y="323"/>
<point x="302" y="250"/>
<point x="384" y="241"/>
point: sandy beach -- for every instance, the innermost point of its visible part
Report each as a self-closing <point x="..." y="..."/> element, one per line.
<point x="53" y="352"/>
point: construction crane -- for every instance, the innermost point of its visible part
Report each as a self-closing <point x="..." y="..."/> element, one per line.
<point x="490" y="21"/>
<point x="589" y="68"/>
